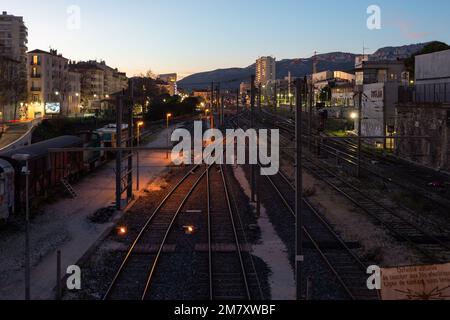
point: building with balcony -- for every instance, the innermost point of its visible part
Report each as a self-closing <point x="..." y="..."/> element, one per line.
<point x="13" y="37"/>
<point x="99" y="82"/>
<point x="52" y="89"/>
<point x="266" y="71"/>
<point x="13" y="77"/>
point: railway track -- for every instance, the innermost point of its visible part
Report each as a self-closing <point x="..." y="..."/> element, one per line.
<point x="227" y="270"/>
<point x="133" y="278"/>
<point x="393" y="171"/>
<point x="435" y="248"/>
<point x="346" y="266"/>
<point x="232" y="273"/>
<point x="432" y="247"/>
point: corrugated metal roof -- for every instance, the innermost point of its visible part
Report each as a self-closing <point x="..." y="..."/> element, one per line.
<point x="40" y="149"/>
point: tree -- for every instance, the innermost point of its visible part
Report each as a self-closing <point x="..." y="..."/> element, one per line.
<point x="13" y="84"/>
<point x="164" y="104"/>
<point x="144" y="90"/>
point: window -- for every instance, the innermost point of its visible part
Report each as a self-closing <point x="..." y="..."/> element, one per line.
<point x="35" y="60"/>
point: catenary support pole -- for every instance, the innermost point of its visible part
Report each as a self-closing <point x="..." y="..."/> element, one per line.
<point x="299" y="257"/>
<point x="252" y="124"/>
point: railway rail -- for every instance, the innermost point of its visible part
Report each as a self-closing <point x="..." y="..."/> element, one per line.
<point x="230" y="270"/>
<point x="345" y="265"/>
<point x="133" y="278"/>
<point x="434" y="248"/>
<point x="407" y="176"/>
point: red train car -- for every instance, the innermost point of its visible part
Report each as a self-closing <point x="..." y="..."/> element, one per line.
<point x="46" y="169"/>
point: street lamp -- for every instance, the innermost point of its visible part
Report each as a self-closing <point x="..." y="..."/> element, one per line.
<point x="139" y="125"/>
<point x="168" y="116"/>
<point x="26" y="172"/>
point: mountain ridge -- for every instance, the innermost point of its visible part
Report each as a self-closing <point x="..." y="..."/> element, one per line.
<point x="230" y="78"/>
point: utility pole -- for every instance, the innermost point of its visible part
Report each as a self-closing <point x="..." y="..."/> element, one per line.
<point x="119" y="114"/>
<point x="311" y="102"/>
<point x="212" y="98"/>
<point x="259" y="97"/>
<point x="358" y="168"/>
<point x="276" y="97"/>
<point x="299" y="257"/>
<point x="218" y="101"/>
<point x="237" y="106"/>
<point x="130" y="143"/>
<point x="222" y="111"/>
<point x="252" y="124"/>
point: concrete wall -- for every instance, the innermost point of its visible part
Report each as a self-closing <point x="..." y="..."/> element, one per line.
<point x="425" y="120"/>
<point x="433" y="67"/>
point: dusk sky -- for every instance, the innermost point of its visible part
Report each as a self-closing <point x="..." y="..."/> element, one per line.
<point x="188" y="36"/>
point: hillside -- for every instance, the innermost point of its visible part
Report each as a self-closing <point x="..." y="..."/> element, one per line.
<point x="334" y="61"/>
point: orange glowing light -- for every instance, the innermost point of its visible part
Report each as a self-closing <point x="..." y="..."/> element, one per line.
<point x="122" y="231"/>
<point x="189" y="229"/>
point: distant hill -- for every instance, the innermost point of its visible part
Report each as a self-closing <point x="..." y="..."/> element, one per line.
<point x="394" y="53"/>
<point x="334" y="61"/>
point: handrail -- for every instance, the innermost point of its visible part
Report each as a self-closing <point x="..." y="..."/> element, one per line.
<point x="32" y="125"/>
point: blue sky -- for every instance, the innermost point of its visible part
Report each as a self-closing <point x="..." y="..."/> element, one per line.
<point x="188" y="36"/>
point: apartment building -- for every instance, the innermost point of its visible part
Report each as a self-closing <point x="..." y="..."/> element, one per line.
<point x="13" y="48"/>
<point x="13" y="37"/>
<point x="265" y="71"/>
<point x="52" y="89"/>
<point x="98" y="83"/>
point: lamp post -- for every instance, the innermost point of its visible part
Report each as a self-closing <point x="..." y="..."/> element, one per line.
<point x="139" y="125"/>
<point x="77" y="95"/>
<point x="168" y="116"/>
<point x="26" y="172"/>
<point x="207" y="111"/>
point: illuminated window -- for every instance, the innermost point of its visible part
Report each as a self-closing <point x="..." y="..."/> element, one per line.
<point x="35" y="60"/>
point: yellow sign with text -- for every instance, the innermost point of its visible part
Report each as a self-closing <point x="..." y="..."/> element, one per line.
<point x="430" y="282"/>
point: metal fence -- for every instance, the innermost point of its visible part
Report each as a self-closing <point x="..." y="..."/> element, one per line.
<point x="425" y="93"/>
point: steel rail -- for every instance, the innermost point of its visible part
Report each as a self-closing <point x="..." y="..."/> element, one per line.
<point x="143" y="230"/>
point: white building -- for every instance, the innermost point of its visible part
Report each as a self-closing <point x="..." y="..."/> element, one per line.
<point x="266" y="71"/>
<point x="433" y="68"/>
<point x="52" y="89"/>
<point x="380" y="81"/>
<point x="98" y="83"/>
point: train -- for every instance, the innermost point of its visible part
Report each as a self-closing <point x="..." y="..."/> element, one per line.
<point x="48" y="170"/>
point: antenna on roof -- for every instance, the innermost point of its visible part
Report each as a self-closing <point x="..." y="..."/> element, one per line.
<point x="364" y="49"/>
<point x="315" y="62"/>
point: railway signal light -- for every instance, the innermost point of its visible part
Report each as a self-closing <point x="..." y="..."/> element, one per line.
<point x="189" y="230"/>
<point x="122" y="231"/>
